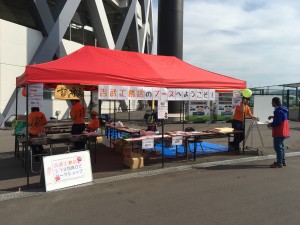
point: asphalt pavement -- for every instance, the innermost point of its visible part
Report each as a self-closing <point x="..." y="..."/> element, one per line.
<point x="248" y="193"/>
<point x="215" y="189"/>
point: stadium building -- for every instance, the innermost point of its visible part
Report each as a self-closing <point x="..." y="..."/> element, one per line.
<point x="33" y="32"/>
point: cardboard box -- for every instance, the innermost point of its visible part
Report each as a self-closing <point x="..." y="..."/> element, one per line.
<point x="135" y="161"/>
<point x="118" y="145"/>
<point x="99" y="139"/>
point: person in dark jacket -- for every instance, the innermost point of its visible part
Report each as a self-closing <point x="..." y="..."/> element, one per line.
<point x="280" y="131"/>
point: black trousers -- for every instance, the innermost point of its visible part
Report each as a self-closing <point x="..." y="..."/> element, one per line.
<point x="36" y="149"/>
<point x="78" y="129"/>
<point x="238" y="138"/>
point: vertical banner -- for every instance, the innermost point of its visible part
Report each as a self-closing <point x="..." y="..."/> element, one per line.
<point x="35" y="95"/>
<point x="236" y="97"/>
<point x="162" y="110"/>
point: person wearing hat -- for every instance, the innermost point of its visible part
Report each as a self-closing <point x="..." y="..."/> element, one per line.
<point x="240" y="112"/>
<point x="94" y="122"/>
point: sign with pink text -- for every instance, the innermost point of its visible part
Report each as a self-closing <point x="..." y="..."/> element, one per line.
<point x="65" y="170"/>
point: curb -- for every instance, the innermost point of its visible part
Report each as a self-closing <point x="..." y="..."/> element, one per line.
<point x="40" y="191"/>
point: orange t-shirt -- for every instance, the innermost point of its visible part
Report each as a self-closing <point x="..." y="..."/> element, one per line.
<point x="93" y="124"/>
<point x="37" y="121"/>
<point x="239" y="115"/>
<point x="77" y="113"/>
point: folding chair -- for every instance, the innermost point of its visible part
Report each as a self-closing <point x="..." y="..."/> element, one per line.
<point x="92" y="143"/>
<point x="193" y="140"/>
<point x="39" y="141"/>
<point x="77" y="139"/>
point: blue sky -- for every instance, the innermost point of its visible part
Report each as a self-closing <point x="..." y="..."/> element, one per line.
<point x="254" y="40"/>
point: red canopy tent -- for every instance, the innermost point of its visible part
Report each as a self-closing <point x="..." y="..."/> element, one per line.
<point x="94" y="66"/>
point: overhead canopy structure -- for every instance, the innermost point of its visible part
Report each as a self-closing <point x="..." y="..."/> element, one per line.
<point x="94" y="66"/>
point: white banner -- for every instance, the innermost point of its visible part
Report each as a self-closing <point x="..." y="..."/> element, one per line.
<point x="113" y="92"/>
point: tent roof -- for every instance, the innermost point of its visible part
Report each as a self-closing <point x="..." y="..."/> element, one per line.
<point x="94" y="66"/>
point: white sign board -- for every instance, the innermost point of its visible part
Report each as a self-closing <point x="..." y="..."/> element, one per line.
<point x="177" y="140"/>
<point x="236" y="97"/>
<point x="148" y="143"/>
<point x="263" y="107"/>
<point x="162" y="110"/>
<point x="35" y="95"/>
<point x="65" y="170"/>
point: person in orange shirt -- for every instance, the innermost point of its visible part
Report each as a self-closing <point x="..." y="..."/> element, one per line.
<point x="36" y="121"/>
<point x="77" y="114"/>
<point x="238" y="122"/>
<point x="94" y="122"/>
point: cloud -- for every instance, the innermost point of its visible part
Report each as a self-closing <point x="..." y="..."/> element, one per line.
<point x="257" y="41"/>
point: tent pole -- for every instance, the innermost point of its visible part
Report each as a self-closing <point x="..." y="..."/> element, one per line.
<point x="244" y="130"/>
<point x="26" y="146"/>
<point x="162" y="144"/>
<point x="183" y="115"/>
<point x="16" y="119"/>
<point x="114" y="112"/>
<point x="180" y="112"/>
<point x="128" y="110"/>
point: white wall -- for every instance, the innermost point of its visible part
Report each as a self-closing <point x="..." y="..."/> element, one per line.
<point x="17" y="47"/>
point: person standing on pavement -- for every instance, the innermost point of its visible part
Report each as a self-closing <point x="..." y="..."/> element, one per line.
<point x="77" y="114"/>
<point x="36" y="121"/>
<point x="240" y="112"/>
<point x="280" y="131"/>
<point x="93" y="123"/>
